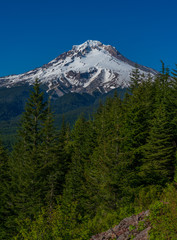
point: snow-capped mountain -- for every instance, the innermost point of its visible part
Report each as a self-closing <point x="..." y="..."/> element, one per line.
<point x="91" y="66"/>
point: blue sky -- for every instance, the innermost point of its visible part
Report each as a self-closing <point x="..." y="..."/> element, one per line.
<point x="33" y="33"/>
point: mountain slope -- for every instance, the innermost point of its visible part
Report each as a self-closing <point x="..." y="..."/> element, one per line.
<point x="89" y="67"/>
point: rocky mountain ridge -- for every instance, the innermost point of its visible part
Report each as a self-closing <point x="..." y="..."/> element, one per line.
<point x="89" y="67"/>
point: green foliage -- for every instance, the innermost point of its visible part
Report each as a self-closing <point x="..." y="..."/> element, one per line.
<point x="62" y="223"/>
<point x="81" y="147"/>
<point x="32" y="161"/>
<point x="137" y="111"/>
<point x="65" y="223"/>
<point x="163" y="216"/>
<point x="131" y="227"/>
<point x="4" y="190"/>
<point x="145" y="196"/>
<point x="61" y="158"/>
<point x="159" y="151"/>
<point x="141" y="226"/>
<point x="106" y="168"/>
<point x="12" y="102"/>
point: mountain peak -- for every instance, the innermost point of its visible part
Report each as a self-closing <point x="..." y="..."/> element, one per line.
<point x="87" y="44"/>
<point x="88" y="67"/>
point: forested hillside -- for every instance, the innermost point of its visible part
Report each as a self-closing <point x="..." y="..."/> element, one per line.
<point x="81" y="181"/>
<point x="71" y="105"/>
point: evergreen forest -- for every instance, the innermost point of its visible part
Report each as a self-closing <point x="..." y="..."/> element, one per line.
<point x="76" y="182"/>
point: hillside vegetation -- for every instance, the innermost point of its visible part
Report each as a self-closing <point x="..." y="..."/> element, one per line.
<point x="76" y="183"/>
<point x="71" y="105"/>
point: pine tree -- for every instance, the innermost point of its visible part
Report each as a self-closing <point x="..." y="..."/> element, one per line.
<point x="135" y="79"/>
<point x="173" y="98"/>
<point x="48" y="159"/>
<point x="103" y="171"/>
<point x="27" y="162"/>
<point x="63" y="155"/>
<point x="31" y="130"/>
<point x="4" y="188"/>
<point x="55" y="159"/>
<point x="174" y="111"/>
<point x="137" y="112"/>
<point x="162" y="86"/>
<point x="82" y="146"/>
<point x="159" y="152"/>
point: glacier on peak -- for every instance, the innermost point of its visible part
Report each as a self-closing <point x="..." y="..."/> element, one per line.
<point x="88" y="43"/>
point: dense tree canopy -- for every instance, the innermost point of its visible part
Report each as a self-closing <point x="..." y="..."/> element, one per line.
<point x="72" y="183"/>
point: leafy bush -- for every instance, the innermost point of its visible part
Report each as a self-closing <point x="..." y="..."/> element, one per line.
<point x="163" y="216"/>
<point x="62" y="223"/>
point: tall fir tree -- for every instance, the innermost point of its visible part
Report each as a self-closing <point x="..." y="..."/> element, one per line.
<point x="103" y="184"/>
<point x="137" y="111"/>
<point x="63" y="155"/>
<point x="159" y="152"/>
<point x="48" y="159"/>
<point x="174" y="102"/>
<point x="4" y="190"/>
<point x="29" y="163"/>
<point x="82" y="147"/>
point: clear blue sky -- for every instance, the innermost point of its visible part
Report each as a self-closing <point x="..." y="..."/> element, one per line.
<point x="33" y="33"/>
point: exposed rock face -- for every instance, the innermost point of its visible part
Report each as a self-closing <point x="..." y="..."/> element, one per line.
<point x="135" y="226"/>
<point x="91" y="66"/>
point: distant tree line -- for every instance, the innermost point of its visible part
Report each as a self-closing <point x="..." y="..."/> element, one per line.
<point x="77" y="182"/>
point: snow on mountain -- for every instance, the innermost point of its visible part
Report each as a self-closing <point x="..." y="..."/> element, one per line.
<point x="91" y="66"/>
